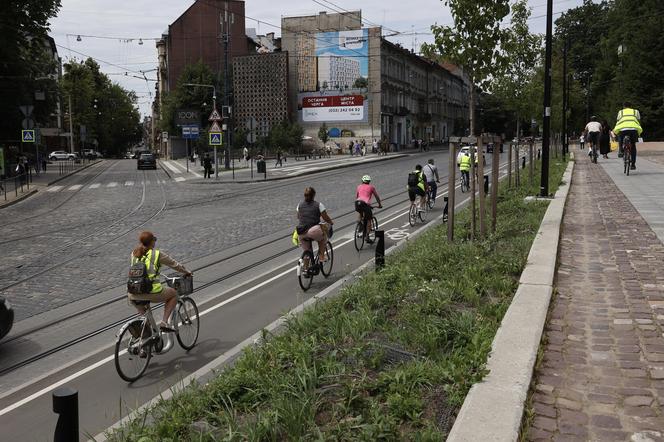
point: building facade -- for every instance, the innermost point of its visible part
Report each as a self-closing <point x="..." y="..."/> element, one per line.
<point x="260" y="86"/>
<point x="336" y="72"/>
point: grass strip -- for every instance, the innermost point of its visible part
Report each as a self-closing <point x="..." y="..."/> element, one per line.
<point x="391" y="358"/>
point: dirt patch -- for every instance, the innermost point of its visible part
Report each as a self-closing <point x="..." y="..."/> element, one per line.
<point x="437" y="409"/>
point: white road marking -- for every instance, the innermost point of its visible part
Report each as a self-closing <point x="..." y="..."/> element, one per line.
<point x="94" y="186"/>
<point x="97" y="364"/>
<point x="55" y="188"/>
<point x="180" y="179"/>
<point x="170" y="166"/>
<point x="112" y="184"/>
<point x="129" y="183"/>
<point x="146" y="182"/>
<point x="75" y="187"/>
<point x="191" y="171"/>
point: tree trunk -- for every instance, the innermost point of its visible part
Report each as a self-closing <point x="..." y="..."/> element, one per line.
<point x="471" y="107"/>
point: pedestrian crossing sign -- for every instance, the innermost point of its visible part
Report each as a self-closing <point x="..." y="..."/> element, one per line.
<point x="215" y="138"/>
<point x="28" y="136"/>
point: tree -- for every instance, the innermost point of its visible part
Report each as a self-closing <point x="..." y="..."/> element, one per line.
<point x="323" y="134"/>
<point x="361" y="83"/>
<point x="286" y="135"/>
<point x="23" y="32"/>
<point x="523" y="50"/>
<point x="473" y="42"/>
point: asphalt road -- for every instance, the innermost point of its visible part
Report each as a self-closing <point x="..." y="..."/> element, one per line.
<point x="236" y="236"/>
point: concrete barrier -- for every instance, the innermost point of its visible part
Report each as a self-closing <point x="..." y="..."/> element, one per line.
<point x="494" y="407"/>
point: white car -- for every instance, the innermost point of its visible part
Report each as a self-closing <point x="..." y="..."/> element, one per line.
<point x="466" y="151"/>
<point x="61" y="155"/>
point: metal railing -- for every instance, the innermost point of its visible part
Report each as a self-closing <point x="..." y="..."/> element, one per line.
<point x="16" y="184"/>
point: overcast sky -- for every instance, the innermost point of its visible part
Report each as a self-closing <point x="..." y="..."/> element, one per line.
<point x="126" y="22"/>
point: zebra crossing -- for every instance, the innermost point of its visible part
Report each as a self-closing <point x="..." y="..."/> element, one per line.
<point x="109" y="185"/>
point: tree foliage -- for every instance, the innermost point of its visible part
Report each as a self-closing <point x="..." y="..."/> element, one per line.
<point x="107" y="110"/>
<point x="285" y="135"/>
<point x="323" y="134"/>
<point x="23" y="31"/>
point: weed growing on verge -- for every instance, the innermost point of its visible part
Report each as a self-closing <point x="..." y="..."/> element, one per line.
<point x="391" y="358"/>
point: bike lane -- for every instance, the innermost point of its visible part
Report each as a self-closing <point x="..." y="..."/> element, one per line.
<point x="225" y="322"/>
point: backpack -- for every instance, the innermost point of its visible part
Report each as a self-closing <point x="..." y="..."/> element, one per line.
<point x="413" y="179"/>
<point x="138" y="282"/>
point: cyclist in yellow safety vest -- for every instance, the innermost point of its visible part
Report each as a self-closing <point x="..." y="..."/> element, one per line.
<point x="628" y="124"/>
<point x="464" y="166"/>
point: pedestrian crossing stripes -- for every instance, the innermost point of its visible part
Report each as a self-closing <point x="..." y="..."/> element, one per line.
<point x="94" y="186"/>
<point x="129" y="183"/>
<point x="55" y="188"/>
<point x="180" y="179"/>
<point x="111" y="185"/>
<point x="75" y="187"/>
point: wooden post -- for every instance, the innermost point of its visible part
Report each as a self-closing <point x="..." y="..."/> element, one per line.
<point x="495" y="170"/>
<point x="531" y="170"/>
<point x="509" y="164"/>
<point x="517" y="171"/>
<point x="451" y="192"/>
<point x="480" y="177"/>
<point x="473" y="218"/>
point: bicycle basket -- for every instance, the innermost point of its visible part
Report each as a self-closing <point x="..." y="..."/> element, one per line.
<point x="184" y="285"/>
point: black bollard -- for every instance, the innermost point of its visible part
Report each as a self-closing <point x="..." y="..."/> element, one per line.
<point x="445" y="209"/>
<point x="486" y="184"/>
<point x="65" y="403"/>
<point x="523" y="162"/>
<point x="380" y="249"/>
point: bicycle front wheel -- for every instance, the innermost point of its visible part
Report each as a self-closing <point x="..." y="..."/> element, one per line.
<point x="326" y="267"/>
<point x="133" y="350"/>
<point x="374" y="227"/>
<point x="412" y="215"/>
<point x="430" y="200"/>
<point x="359" y="236"/>
<point x="188" y="323"/>
<point x="304" y="276"/>
<point x="422" y="214"/>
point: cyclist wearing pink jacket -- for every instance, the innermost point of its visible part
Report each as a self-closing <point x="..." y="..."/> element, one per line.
<point x="363" y="195"/>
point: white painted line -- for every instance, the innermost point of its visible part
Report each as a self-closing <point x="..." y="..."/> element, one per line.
<point x="180" y="179"/>
<point x="94" y="186"/>
<point x="112" y="184"/>
<point x="129" y="183"/>
<point x="75" y="187"/>
<point x="146" y="182"/>
<point x="55" y="188"/>
<point x="170" y="166"/>
<point x="191" y="171"/>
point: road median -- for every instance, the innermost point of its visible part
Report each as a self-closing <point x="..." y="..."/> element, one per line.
<point x="392" y="354"/>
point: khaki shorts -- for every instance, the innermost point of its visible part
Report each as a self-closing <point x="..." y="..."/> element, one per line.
<point x="164" y="295"/>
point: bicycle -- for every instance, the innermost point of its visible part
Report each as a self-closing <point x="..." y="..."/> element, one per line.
<point x="431" y="201"/>
<point x="465" y="184"/>
<point x="309" y="264"/>
<point x="139" y="337"/>
<point x="361" y="228"/>
<point x="593" y="154"/>
<point x="627" y="154"/>
<point x="415" y="212"/>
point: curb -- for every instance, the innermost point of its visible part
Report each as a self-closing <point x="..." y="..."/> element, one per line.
<point x="226" y="359"/>
<point x="165" y="171"/>
<point x="306" y="172"/>
<point x="72" y="173"/>
<point x="18" y="199"/>
<point x="493" y="408"/>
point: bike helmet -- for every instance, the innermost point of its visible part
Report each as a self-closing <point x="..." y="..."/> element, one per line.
<point x="366" y="179"/>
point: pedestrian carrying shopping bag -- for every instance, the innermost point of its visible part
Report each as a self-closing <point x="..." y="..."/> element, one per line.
<point x="614" y="145"/>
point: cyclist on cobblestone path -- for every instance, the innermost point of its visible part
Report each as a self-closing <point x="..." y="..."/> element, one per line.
<point x="154" y="259"/>
<point x="628" y="124"/>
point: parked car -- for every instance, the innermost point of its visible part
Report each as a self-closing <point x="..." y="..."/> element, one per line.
<point x="147" y="161"/>
<point x="61" y="155"/>
<point x="490" y="147"/>
<point x="465" y="150"/>
<point x="6" y="317"/>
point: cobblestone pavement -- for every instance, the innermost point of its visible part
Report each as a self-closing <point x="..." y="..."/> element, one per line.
<point x="198" y="221"/>
<point x="602" y="373"/>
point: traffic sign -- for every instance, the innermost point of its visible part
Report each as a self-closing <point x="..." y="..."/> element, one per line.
<point x="215" y="138"/>
<point x="28" y="136"/>
<point x="28" y="123"/>
<point x="215" y="116"/>
<point x="26" y="109"/>
<point x="190" y="132"/>
<point x="215" y="127"/>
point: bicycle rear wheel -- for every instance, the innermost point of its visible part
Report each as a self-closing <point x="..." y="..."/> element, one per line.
<point x="374" y="227"/>
<point x="305" y="277"/>
<point x="430" y="201"/>
<point x="464" y="185"/>
<point x="326" y="267"/>
<point x="626" y="161"/>
<point x="359" y="236"/>
<point x="188" y="323"/>
<point x="133" y="350"/>
<point x="422" y="214"/>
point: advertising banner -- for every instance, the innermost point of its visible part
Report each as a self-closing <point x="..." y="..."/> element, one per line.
<point x="333" y="108"/>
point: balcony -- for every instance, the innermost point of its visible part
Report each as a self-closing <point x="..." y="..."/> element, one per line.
<point x="402" y="111"/>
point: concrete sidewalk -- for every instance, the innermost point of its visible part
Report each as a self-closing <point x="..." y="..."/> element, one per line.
<point x="601" y="377"/>
<point x="177" y="170"/>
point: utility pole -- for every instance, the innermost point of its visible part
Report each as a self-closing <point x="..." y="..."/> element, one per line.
<point x="546" y="133"/>
<point x="71" y="127"/>
<point x="229" y="19"/>
<point x="565" y="104"/>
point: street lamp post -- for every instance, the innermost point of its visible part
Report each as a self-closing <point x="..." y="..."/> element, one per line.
<point x="214" y="106"/>
<point x="546" y="130"/>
